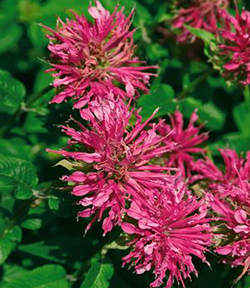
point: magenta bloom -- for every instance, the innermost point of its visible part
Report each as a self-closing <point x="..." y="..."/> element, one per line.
<point x="235" y="46"/>
<point x="89" y="59"/>
<point x="230" y="199"/>
<point x="202" y="14"/>
<point x="235" y="216"/>
<point x="168" y="233"/>
<point x="112" y="161"/>
<point x="186" y="140"/>
<point x="236" y="170"/>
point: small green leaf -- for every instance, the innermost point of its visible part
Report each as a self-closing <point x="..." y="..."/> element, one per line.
<point x="9" y="37"/>
<point x="11" y="272"/>
<point x="15" y="147"/>
<point x="6" y="246"/>
<point x="236" y="141"/>
<point x="12" y="92"/>
<point x="155" y="52"/>
<point x="48" y="276"/>
<point x="242" y="118"/>
<point x="62" y="249"/>
<point x="98" y="276"/>
<point x="18" y="174"/>
<point x="204" y="35"/>
<point x="209" y="114"/>
<point x="54" y="203"/>
<point x="160" y="96"/>
<point x="14" y="234"/>
<point x="36" y="218"/>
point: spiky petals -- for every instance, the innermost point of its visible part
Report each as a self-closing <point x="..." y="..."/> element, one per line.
<point x="230" y="200"/>
<point x="202" y="14"/>
<point x="236" y="170"/>
<point x="235" y="46"/>
<point x="235" y="216"/>
<point x="186" y="140"/>
<point x="117" y="158"/>
<point x="89" y="59"/>
<point x="167" y="235"/>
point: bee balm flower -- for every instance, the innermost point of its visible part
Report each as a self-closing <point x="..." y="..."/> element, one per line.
<point x="116" y="160"/>
<point x="90" y="59"/>
<point x="202" y="14"/>
<point x="230" y="200"/>
<point x="186" y="140"/>
<point x="167" y="235"/>
<point x="235" y="46"/>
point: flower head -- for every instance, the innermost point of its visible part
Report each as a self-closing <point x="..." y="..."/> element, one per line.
<point x="116" y="160"/>
<point x="202" y="14"/>
<point x="186" y="140"/>
<point x="235" y="224"/>
<point x="237" y="169"/>
<point x="169" y="231"/>
<point x="89" y="59"/>
<point x="229" y="198"/>
<point x="235" y="46"/>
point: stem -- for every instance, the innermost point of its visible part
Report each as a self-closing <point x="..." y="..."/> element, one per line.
<point x="38" y="96"/>
<point x="22" y="108"/>
<point x="193" y="84"/>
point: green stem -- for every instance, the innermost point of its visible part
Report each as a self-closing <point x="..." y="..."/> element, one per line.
<point x="23" y="107"/>
<point x="193" y="84"/>
<point x="38" y="96"/>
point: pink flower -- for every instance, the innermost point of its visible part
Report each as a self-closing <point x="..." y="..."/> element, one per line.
<point x="235" y="46"/>
<point x="89" y="59"/>
<point x="112" y="161"/>
<point x="230" y="199"/>
<point x="235" y="240"/>
<point x="186" y="140"/>
<point x="233" y="178"/>
<point x="202" y="14"/>
<point x="167" y="235"/>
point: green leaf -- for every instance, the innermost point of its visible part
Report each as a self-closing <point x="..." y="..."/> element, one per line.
<point x="10" y="32"/>
<point x="155" y="52"/>
<point x="14" y="234"/>
<point x="18" y="174"/>
<point x="36" y="218"/>
<point x="54" y="203"/>
<point x="204" y="35"/>
<point x="9" y="37"/>
<point x="6" y="246"/>
<point x="211" y="115"/>
<point x="62" y="249"/>
<point x="98" y="276"/>
<point x="48" y="276"/>
<point x="160" y="96"/>
<point x="241" y="115"/>
<point x="236" y="141"/>
<point x="12" y="92"/>
<point x="11" y="272"/>
<point x="15" y="147"/>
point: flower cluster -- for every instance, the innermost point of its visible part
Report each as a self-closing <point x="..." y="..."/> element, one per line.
<point x="88" y="58"/>
<point x="134" y="174"/>
<point x="230" y="199"/>
<point x="235" y="46"/>
<point x="202" y="14"/>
